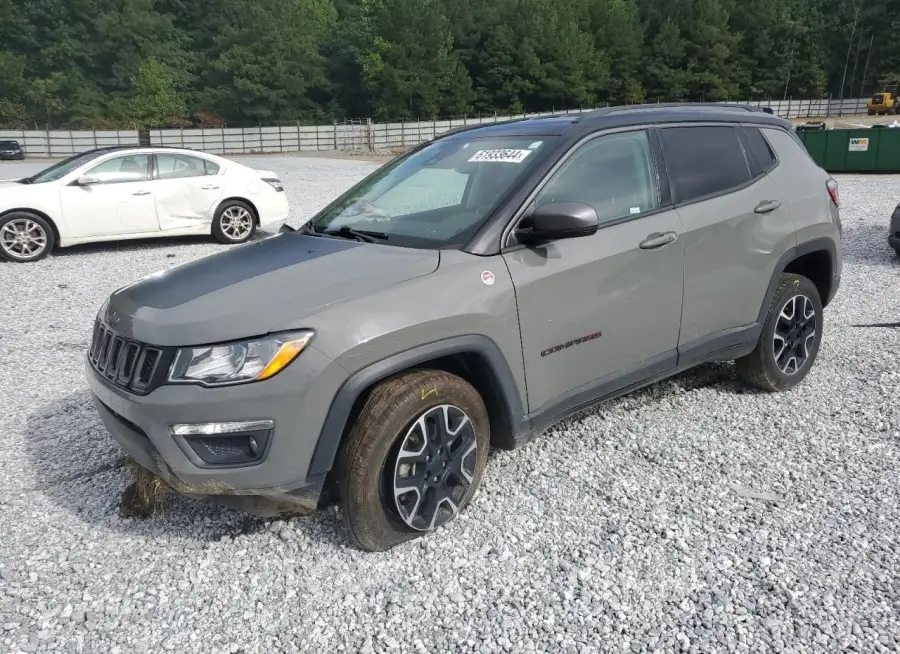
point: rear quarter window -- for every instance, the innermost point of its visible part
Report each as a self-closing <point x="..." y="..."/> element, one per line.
<point x="761" y="148"/>
<point x="703" y="161"/>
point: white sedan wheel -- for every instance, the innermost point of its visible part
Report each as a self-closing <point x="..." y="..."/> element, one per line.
<point x="24" y="237"/>
<point x="234" y="222"/>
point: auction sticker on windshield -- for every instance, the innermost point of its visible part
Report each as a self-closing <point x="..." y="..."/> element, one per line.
<point x="500" y="156"/>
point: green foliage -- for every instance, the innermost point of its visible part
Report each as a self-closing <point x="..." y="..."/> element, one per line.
<point x="154" y="99"/>
<point x="104" y="63"/>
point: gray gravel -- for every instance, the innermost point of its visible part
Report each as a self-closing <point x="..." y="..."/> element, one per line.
<point x="693" y="516"/>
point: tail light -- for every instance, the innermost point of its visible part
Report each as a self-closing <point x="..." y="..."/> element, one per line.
<point x="832" y="187"/>
<point x="275" y="184"/>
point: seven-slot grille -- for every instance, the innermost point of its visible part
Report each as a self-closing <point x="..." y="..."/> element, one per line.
<point x="126" y="363"/>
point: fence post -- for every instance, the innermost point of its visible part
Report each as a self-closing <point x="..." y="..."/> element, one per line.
<point x="47" y="137"/>
<point x="334" y="123"/>
<point x="370" y="135"/>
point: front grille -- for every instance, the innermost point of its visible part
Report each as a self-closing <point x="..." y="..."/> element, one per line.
<point x="126" y="363"/>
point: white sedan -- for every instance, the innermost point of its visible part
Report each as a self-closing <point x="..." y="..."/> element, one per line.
<point x="118" y="193"/>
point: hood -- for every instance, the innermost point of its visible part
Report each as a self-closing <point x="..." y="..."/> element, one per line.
<point x="248" y="290"/>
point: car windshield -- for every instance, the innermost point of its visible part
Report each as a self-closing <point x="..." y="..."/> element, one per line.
<point x="9" y="144"/>
<point x="436" y="197"/>
<point x="62" y="168"/>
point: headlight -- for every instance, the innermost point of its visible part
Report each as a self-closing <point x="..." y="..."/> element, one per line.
<point x="238" y="362"/>
<point x="275" y="184"/>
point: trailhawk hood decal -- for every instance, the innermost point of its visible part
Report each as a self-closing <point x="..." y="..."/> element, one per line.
<point x="249" y="290"/>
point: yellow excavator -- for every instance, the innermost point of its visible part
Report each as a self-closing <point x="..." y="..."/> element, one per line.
<point x="883" y="102"/>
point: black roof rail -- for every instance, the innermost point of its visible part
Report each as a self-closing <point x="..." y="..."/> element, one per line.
<point x="508" y="121"/>
<point x="722" y="106"/>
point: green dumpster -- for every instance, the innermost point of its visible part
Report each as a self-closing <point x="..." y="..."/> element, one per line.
<point x="854" y="150"/>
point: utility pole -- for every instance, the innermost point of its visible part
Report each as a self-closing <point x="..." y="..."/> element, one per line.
<point x="849" y="48"/>
<point x="790" y="64"/>
<point x="855" y="64"/>
<point x="862" y="87"/>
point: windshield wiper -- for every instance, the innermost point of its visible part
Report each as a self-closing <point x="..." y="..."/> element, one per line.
<point x="359" y="234"/>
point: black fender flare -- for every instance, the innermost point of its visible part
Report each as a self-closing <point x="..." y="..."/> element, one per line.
<point x="347" y="396"/>
<point x="795" y="252"/>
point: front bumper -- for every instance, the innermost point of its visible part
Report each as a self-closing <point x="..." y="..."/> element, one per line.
<point x="12" y="156"/>
<point x="275" y="484"/>
<point x="894" y="230"/>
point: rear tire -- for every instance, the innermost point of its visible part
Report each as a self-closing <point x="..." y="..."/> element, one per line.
<point x="25" y="237"/>
<point x="234" y="222"/>
<point x="790" y="338"/>
<point x="413" y="458"/>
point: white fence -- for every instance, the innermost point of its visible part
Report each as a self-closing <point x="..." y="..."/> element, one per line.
<point x="357" y="135"/>
<point x="59" y="143"/>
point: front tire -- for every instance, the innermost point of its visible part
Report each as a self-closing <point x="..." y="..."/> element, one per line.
<point x="413" y="459"/>
<point x="25" y="237"/>
<point x="790" y="338"/>
<point x="234" y="222"/>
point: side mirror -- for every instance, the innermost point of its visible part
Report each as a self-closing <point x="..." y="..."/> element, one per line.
<point x="84" y="180"/>
<point x="558" y="220"/>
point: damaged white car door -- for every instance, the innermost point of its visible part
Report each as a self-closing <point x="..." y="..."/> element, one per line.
<point x="187" y="190"/>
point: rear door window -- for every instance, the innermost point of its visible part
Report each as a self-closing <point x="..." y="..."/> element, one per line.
<point x="176" y="166"/>
<point x="703" y="161"/>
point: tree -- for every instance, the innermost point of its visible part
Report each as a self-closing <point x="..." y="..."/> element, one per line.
<point x="410" y="67"/>
<point x="155" y="99"/>
<point x="84" y="63"/>
<point x="266" y="65"/>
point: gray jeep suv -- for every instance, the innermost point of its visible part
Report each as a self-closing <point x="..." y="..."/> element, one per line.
<point x="470" y="294"/>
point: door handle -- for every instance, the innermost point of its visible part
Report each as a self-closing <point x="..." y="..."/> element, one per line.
<point x="209" y="188"/>
<point x="141" y="193"/>
<point x="766" y="206"/>
<point x="657" y="240"/>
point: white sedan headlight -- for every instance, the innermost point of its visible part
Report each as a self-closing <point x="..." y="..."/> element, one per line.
<point x="238" y="362"/>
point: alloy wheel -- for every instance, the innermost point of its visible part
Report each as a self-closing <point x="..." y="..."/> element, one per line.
<point x="236" y="223"/>
<point x="795" y="333"/>
<point x="23" y="239"/>
<point x="435" y="467"/>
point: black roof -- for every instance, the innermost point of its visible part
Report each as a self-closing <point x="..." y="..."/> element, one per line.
<point x="624" y="116"/>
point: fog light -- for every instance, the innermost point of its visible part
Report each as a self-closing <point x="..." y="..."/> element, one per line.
<point x="213" y="428"/>
<point x="225" y="444"/>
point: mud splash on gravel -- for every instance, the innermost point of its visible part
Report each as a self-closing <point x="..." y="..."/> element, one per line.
<point x="144" y="495"/>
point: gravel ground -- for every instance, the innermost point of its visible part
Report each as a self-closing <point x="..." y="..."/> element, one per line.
<point x="693" y="516"/>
